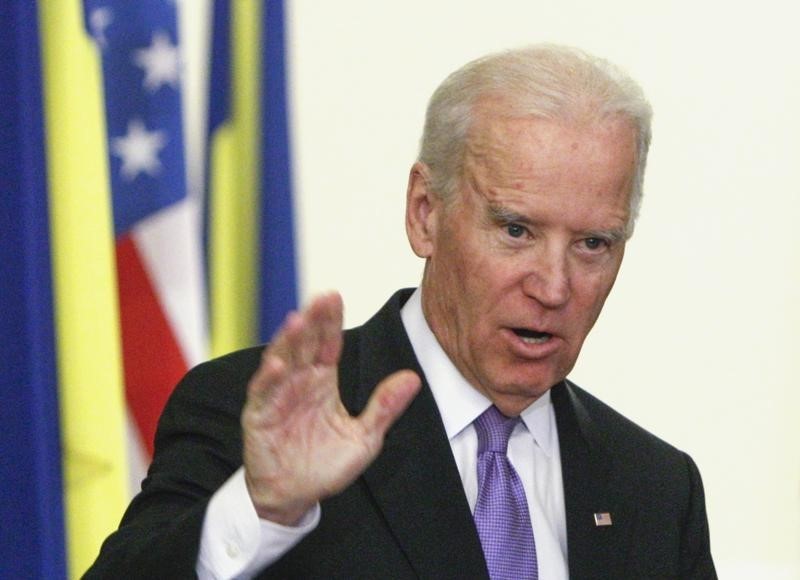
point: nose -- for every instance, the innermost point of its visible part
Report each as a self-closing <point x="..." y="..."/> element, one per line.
<point x="548" y="281"/>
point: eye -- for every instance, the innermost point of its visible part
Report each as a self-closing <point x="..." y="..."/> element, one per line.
<point x="515" y="230"/>
<point x="595" y="244"/>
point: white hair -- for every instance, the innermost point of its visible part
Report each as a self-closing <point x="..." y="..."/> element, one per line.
<point x="547" y="81"/>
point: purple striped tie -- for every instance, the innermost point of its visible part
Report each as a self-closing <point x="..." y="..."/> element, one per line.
<point x="501" y="512"/>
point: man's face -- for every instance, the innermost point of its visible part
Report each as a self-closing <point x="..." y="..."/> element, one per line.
<point x="520" y="263"/>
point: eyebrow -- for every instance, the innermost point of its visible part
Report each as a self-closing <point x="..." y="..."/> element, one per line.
<point x="503" y="215"/>
<point x="612" y="236"/>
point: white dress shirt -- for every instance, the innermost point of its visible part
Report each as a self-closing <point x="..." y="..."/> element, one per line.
<point x="235" y="543"/>
<point x="533" y="448"/>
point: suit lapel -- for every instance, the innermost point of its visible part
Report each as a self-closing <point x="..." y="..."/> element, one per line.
<point x="416" y="486"/>
<point x="594" y="551"/>
<point x="415" y="481"/>
<point x="433" y="523"/>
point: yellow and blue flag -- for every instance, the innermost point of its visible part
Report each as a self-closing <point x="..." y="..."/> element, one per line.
<point x="250" y="219"/>
<point x="103" y="281"/>
<point x="31" y="508"/>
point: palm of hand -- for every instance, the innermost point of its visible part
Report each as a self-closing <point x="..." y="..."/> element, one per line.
<point x="300" y="443"/>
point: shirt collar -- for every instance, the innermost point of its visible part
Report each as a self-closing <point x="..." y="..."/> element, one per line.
<point x="458" y="401"/>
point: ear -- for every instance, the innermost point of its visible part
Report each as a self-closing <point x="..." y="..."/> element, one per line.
<point x="422" y="207"/>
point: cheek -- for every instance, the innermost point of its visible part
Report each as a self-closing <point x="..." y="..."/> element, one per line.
<point x="482" y="281"/>
<point x="468" y="284"/>
<point x="455" y="259"/>
<point x="591" y="296"/>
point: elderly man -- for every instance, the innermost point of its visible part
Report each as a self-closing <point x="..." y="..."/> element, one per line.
<point x="442" y="439"/>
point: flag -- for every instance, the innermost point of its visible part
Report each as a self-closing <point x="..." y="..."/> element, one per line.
<point x="102" y="289"/>
<point x="129" y="304"/>
<point x="31" y="509"/>
<point x="602" y="519"/>
<point x="278" y="292"/>
<point x="156" y="222"/>
<point x="250" y="223"/>
<point x="85" y="299"/>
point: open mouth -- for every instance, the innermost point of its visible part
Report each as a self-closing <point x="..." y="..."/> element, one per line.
<point x="532" y="336"/>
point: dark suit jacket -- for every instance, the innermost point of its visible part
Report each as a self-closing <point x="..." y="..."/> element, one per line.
<point x="407" y="516"/>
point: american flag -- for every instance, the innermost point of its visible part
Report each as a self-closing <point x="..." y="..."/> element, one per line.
<point x="602" y="519"/>
<point x="156" y="222"/>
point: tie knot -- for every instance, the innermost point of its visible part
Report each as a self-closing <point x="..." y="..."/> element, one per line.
<point x="493" y="430"/>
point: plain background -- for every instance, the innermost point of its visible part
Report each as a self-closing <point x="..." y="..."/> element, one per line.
<point x="699" y="340"/>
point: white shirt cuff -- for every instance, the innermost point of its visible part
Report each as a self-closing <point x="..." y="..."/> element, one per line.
<point x="235" y="543"/>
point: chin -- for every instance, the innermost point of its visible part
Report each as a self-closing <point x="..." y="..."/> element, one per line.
<point x="534" y="380"/>
<point x="528" y="387"/>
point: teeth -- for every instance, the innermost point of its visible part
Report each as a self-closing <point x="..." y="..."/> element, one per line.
<point x="535" y="340"/>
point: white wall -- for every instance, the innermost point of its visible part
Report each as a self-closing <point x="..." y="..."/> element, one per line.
<point x="699" y="340"/>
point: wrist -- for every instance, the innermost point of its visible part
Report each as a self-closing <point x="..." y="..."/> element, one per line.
<point x="283" y="511"/>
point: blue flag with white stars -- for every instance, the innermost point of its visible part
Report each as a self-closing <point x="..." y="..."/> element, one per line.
<point x="141" y="75"/>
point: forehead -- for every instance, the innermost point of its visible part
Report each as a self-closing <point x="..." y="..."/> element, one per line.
<point x="513" y="140"/>
<point x="588" y="160"/>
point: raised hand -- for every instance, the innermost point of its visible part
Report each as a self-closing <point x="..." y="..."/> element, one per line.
<point x="300" y="443"/>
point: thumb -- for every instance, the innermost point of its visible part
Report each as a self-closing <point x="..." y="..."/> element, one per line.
<point x="391" y="397"/>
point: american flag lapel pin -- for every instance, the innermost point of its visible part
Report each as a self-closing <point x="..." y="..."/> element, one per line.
<point x="602" y="519"/>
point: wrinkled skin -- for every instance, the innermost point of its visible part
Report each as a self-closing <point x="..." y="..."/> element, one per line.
<point x="300" y="443"/>
<point x="518" y="267"/>
<point x="520" y="262"/>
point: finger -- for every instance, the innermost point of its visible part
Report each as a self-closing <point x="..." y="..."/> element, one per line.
<point x="282" y="343"/>
<point x="328" y="315"/>
<point x="303" y="340"/>
<point x="300" y="340"/>
<point x="391" y="397"/>
<point x="317" y="318"/>
<point x="270" y="374"/>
